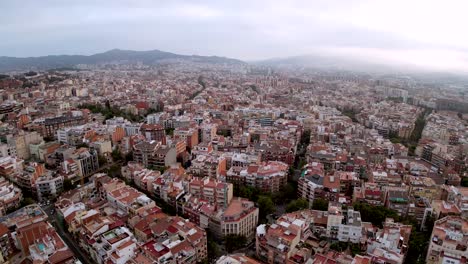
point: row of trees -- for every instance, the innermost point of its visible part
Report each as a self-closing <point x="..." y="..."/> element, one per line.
<point x="109" y="111"/>
<point x="201" y="81"/>
<point x="267" y="202"/>
<point x="413" y="140"/>
<point x="351" y="113"/>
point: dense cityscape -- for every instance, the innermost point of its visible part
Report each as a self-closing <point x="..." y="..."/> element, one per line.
<point x="226" y="162"/>
<point x="233" y="132"/>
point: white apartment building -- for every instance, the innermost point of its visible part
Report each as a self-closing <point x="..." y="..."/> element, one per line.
<point x="351" y="230"/>
<point x="48" y="186"/>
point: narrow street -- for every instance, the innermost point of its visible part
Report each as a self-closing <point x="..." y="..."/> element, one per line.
<point x="71" y="243"/>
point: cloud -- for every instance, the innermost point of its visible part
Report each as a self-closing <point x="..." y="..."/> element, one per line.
<point x="423" y="33"/>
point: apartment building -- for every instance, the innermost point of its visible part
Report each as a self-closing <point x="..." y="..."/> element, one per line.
<point x="11" y="167"/>
<point x="10" y="196"/>
<point x="154" y="132"/>
<point x="351" y="230"/>
<point x="240" y="218"/>
<point x="49" y="126"/>
<point x="153" y="154"/>
<point x="389" y="244"/>
<point x="334" y="220"/>
<point x="87" y="161"/>
<point x="397" y="199"/>
<point x="48" y="186"/>
<point x="214" y="191"/>
<point x="209" y="165"/>
<point x="268" y="176"/>
<point x="188" y="134"/>
<point x="280" y="242"/>
<point x="449" y="241"/>
<point x="114" y="246"/>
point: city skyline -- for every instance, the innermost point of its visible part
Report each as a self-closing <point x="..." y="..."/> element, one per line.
<point x="392" y="33"/>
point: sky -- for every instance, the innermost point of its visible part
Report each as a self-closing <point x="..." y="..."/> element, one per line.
<point x="423" y="33"/>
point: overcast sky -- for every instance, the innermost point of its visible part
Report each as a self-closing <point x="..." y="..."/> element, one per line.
<point x="426" y="33"/>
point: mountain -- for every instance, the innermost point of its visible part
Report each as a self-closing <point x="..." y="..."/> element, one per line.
<point x="151" y="57"/>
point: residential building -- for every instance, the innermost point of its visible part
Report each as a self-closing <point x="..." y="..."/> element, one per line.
<point x="238" y="258"/>
<point x="48" y="186"/>
<point x="153" y="154"/>
<point x="212" y="190"/>
<point x="449" y="241"/>
<point x="154" y="132"/>
<point x="10" y="196"/>
<point x="280" y="242"/>
<point x="351" y="230"/>
<point x="240" y="218"/>
<point x="269" y="176"/>
<point x="334" y="220"/>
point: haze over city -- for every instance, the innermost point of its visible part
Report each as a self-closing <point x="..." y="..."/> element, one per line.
<point x="425" y="34"/>
<point x="233" y="132"/>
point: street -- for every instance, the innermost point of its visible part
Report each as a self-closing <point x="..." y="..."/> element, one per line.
<point x="67" y="238"/>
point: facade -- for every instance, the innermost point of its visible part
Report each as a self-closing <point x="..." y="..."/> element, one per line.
<point x="19" y="144"/>
<point x="335" y="220"/>
<point x="397" y="199"/>
<point x="10" y="196"/>
<point x="50" y="126"/>
<point x="154" y="132"/>
<point x="208" y="165"/>
<point x="268" y="176"/>
<point x="27" y="178"/>
<point x="87" y="161"/>
<point x="48" y="186"/>
<point x="240" y="218"/>
<point x="153" y="154"/>
<point x="188" y="134"/>
<point x="280" y="242"/>
<point x="11" y="167"/>
<point x="236" y="259"/>
<point x="449" y="241"/>
<point x="351" y="230"/>
<point x="215" y="192"/>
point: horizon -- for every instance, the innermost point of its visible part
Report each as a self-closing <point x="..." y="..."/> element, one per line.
<point x="394" y="33"/>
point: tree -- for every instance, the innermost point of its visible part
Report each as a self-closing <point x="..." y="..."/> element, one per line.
<point x="102" y="160"/>
<point x="213" y="250"/>
<point x="339" y="246"/>
<point x="27" y="201"/>
<point x="234" y="242"/>
<point x="290" y="191"/>
<point x="266" y="206"/>
<point x="82" y="145"/>
<point x="129" y="157"/>
<point x="116" y="155"/>
<point x="114" y="171"/>
<point x="255" y="138"/>
<point x="67" y="185"/>
<point x="375" y="214"/>
<point x="297" y="205"/>
<point x="464" y="182"/>
<point x="305" y="138"/>
<point x="249" y="192"/>
<point x="169" y="131"/>
<point x="320" y="204"/>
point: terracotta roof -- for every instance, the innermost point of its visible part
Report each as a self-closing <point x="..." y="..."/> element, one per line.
<point x="61" y="256"/>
